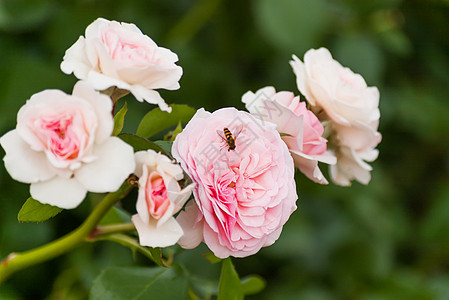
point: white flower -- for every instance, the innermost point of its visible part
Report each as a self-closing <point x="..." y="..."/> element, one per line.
<point x="351" y="108"/>
<point x="159" y="198"/>
<point x="119" y="54"/>
<point x="62" y="145"/>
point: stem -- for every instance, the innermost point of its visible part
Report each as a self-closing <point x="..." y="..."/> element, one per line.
<point x="100" y="231"/>
<point x="17" y="261"/>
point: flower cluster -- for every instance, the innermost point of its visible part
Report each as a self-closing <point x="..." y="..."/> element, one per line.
<point x="240" y="166"/>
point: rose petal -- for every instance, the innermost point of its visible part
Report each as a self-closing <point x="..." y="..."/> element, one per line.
<point x="23" y="163"/>
<point x="60" y="192"/>
<point x="114" y="163"/>
<point x="152" y="235"/>
<point x="191" y="226"/>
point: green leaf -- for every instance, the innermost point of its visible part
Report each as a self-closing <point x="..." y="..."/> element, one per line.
<point x="34" y="211"/>
<point x="165" y="145"/>
<point x="156" y="120"/>
<point x="140" y="143"/>
<point x="133" y="283"/>
<point x="230" y="286"/>
<point x="119" y="120"/>
<point x="253" y="284"/>
<point x="171" y="135"/>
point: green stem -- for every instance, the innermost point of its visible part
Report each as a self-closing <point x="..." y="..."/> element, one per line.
<point x="18" y="261"/>
<point x="111" y="229"/>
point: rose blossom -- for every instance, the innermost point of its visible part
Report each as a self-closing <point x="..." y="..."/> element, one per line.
<point x="343" y="98"/>
<point x="244" y="196"/>
<point x="304" y="131"/>
<point x="159" y="198"/>
<point x="353" y="146"/>
<point x="119" y="54"/>
<point x="62" y="145"/>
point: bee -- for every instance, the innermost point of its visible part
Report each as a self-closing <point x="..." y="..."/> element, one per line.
<point x="228" y="138"/>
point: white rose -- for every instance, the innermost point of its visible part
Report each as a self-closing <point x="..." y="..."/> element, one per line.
<point x="63" y="146"/>
<point x="342" y="94"/>
<point x="119" y="54"/>
<point x="159" y="198"/>
<point x="351" y="108"/>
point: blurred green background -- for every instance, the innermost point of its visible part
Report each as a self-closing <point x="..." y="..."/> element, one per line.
<point x="387" y="240"/>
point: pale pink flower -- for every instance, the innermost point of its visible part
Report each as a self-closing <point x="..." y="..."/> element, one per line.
<point x="301" y="129"/>
<point x="243" y="197"/>
<point x="159" y="198"/>
<point x="63" y="146"/>
<point x="353" y="146"/>
<point x="342" y="94"/>
<point x="342" y="98"/>
<point x="119" y="54"/>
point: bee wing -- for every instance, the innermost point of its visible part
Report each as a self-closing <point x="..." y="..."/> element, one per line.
<point x="237" y="130"/>
<point x="221" y="134"/>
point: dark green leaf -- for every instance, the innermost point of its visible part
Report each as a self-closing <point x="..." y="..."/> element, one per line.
<point x="165" y="145"/>
<point x="119" y="120"/>
<point x="140" y="143"/>
<point x="204" y="288"/>
<point x="34" y="211"/>
<point x="133" y="283"/>
<point x="230" y="286"/>
<point x="156" y="120"/>
<point x="253" y="284"/>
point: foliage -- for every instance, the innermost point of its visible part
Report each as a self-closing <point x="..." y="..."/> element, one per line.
<point x="387" y="240"/>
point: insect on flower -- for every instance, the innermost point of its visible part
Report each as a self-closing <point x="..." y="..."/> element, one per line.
<point x="228" y="138"/>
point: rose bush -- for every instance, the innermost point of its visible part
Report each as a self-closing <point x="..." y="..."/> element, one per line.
<point x="304" y="132"/>
<point x="244" y="196"/>
<point x="119" y="54"/>
<point x="63" y="146"/>
<point x="343" y="98"/>
<point x="159" y="198"/>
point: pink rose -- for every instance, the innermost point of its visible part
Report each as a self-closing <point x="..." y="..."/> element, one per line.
<point x="62" y="145"/>
<point x="159" y="198"/>
<point x="243" y="196"/>
<point x="304" y="131"/>
<point x="342" y="98"/>
<point x="119" y="54"/>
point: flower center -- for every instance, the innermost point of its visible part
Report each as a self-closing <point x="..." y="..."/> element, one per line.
<point x="156" y="196"/>
<point x="126" y="50"/>
<point x="60" y="138"/>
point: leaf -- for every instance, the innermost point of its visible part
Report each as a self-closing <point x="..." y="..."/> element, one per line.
<point x="253" y="284"/>
<point x="171" y="135"/>
<point x="155" y="254"/>
<point x="34" y="211"/>
<point x="133" y="283"/>
<point x="165" y="145"/>
<point x="140" y="143"/>
<point x="119" y="120"/>
<point x="156" y="120"/>
<point x="230" y="286"/>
